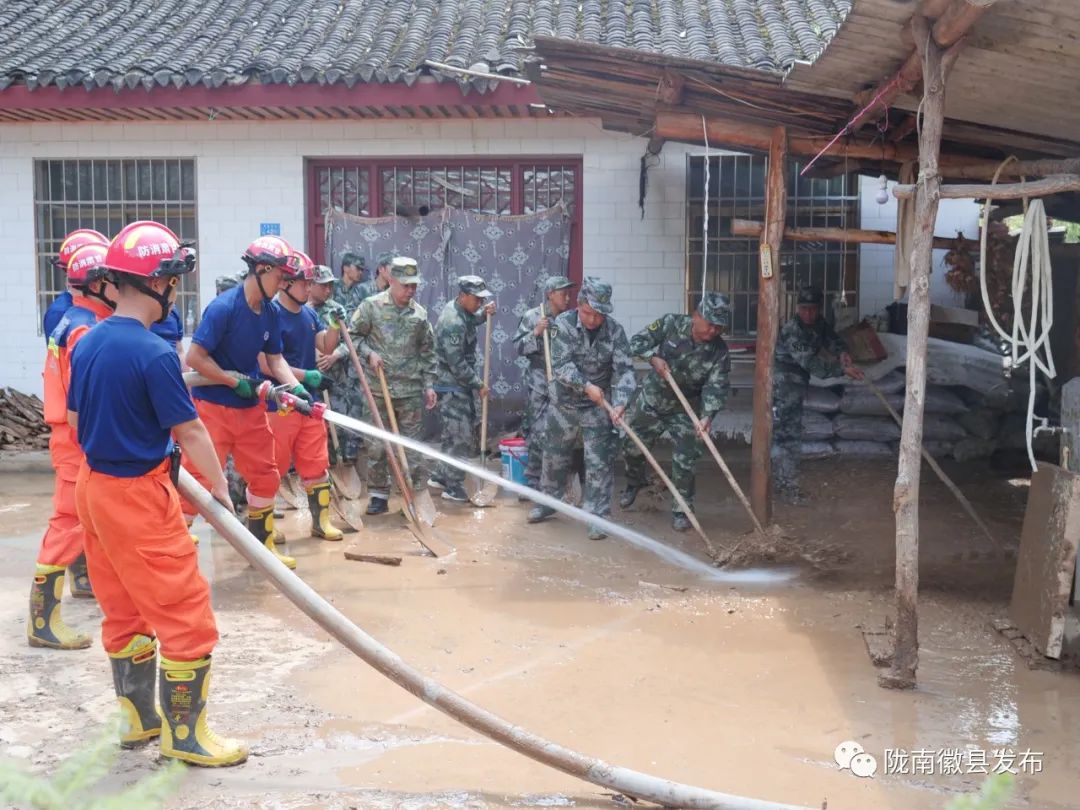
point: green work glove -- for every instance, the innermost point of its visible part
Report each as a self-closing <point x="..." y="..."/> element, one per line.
<point x="300" y="392"/>
<point x="313" y="379"/>
<point x="333" y="318"/>
<point x="245" y="389"/>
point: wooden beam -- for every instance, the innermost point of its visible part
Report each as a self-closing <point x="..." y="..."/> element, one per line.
<point x="954" y="22"/>
<point x="768" y="326"/>
<point x="936" y="64"/>
<point x="1055" y="184"/>
<point x="850" y="236"/>
<point x="670" y="88"/>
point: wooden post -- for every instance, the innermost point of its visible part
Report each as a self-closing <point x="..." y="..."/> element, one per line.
<point x="768" y="326"/>
<point x="906" y="493"/>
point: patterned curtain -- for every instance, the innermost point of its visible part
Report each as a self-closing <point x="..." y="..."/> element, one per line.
<point x="513" y="254"/>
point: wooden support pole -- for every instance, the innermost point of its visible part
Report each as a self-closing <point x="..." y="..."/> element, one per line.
<point x="1002" y="191"/>
<point x="768" y="327"/>
<point x="851" y="236"/>
<point x="906" y="494"/>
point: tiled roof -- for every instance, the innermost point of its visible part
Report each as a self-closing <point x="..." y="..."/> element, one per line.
<point x="128" y="43"/>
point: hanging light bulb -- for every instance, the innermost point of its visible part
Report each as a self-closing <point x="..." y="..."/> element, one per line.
<point x="883" y="191"/>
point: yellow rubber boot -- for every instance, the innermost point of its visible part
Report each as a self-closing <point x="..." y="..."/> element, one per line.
<point x="261" y="524"/>
<point x="45" y="628"/>
<point x="318" y="498"/>
<point x="79" y="580"/>
<point x="185" y="734"/>
<point x="134" y="671"/>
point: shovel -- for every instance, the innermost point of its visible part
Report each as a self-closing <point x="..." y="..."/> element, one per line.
<point x="346" y="480"/>
<point x="420" y="530"/>
<point x="481" y="492"/>
<point x="679" y="499"/>
<point x="573" y="484"/>
<point x="425" y="507"/>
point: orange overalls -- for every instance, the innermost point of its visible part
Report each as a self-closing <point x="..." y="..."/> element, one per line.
<point x="64" y="537"/>
<point x="300" y="441"/>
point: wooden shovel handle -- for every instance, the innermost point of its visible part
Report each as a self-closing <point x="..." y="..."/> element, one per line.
<point x="392" y="415"/>
<point x="547" y="349"/>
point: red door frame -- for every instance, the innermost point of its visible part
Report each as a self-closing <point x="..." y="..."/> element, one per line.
<point x="315" y="230"/>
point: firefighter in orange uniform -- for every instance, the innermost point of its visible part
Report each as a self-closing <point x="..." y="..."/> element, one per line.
<point x="236" y="327"/>
<point x="81" y="255"/>
<point x="299" y="439"/>
<point x="126" y="396"/>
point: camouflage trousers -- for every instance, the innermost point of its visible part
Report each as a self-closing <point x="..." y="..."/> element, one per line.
<point x="347" y="398"/>
<point x="410" y="420"/>
<point x="789" y="391"/>
<point x="686" y="448"/>
<point x="532" y="428"/>
<point x="457" y="414"/>
<point x="564" y="428"/>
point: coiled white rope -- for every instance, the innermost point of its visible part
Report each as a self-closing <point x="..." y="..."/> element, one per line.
<point x="1030" y="336"/>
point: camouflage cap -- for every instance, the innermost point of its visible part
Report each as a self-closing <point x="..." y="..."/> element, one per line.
<point x="810" y="296"/>
<point x="384" y="258"/>
<point x="404" y="269"/>
<point x="223" y="283"/>
<point x="715" y="308"/>
<point x="473" y="285"/>
<point x="597" y="294"/>
<point x="323" y="274"/>
<point x="555" y="283"/>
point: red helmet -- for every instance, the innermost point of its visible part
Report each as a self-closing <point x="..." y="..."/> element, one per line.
<point x="149" y="250"/>
<point x="86" y="264"/>
<point x="300" y="267"/>
<point x="268" y="250"/>
<point x="75" y="240"/>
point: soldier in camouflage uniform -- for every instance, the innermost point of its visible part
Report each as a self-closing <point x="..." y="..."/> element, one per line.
<point x="806" y="346"/>
<point x="458" y="380"/>
<point x="345" y="395"/>
<point x="590" y="360"/>
<point x="334" y="365"/>
<point x="392" y="332"/>
<point x="691" y="348"/>
<point x="380" y="280"/>
<point x="530" y="343"/>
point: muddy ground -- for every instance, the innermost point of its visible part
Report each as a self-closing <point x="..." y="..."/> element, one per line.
<point x="741" y="686"/>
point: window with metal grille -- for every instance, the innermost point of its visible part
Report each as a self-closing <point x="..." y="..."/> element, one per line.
<point x="375" y="188"/>
<point x="737" y="191"/>
<point x="106" y="195"/>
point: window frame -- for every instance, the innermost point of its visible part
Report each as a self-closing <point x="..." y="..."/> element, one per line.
<point x="752" y="206"/>
<point x="46" y="245"/>
<point x="375" y="166"/>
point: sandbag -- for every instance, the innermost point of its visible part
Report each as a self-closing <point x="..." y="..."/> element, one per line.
<point x="938" y="449"/>
<point x="860" y="401"/>
<point x="817" y="450"/>
<point x="892" y="383"/>
<point x="816" y="427"/>
<point x="866" y="428"/>
<point x="973" y="448"/>
<point x="981" y="422"/>
<point x="940" y="399"/>
<point x="821" y="400"/>
<point x="939" y="427"/>
<point x="850" y="448"/>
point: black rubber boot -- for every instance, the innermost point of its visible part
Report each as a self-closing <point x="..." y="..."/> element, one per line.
<point x="45" y="627"/>
<point x="377" y="506"/>
<point x="261" y="524"/>
<point x="79" y="579"/>
<point x="134" y="671"/>
<point x="186" y="735"/>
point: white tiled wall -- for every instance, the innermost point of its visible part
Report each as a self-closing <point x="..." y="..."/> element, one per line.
<point x="252" y="173"/>
<point x="876" y="261"/>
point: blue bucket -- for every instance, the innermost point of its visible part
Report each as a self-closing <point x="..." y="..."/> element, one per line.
<point x="514" y="460"/>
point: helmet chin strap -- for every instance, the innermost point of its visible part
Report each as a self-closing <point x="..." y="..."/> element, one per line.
<point x="292" y="297"/>
<point x="262" y="289"/>
<point x="161" y="298"/>
<point x="99" y="294"/>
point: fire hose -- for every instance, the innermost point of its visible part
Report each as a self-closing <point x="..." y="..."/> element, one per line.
<point x="623" y="780"/>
